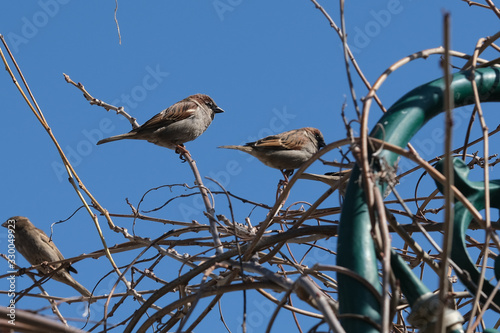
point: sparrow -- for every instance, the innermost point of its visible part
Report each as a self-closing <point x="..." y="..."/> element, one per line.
<point x="37" y="248"/>
<point x="285" y="151"/>
<point x="180" y="123"/>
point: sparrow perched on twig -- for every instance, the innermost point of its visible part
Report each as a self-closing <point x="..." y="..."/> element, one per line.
<point x="171" y="128"/>
<point x="285" y="151"/>
<point x="37" y="248"/>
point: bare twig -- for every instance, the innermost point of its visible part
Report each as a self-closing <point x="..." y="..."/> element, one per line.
<point x="448" y="174"/>
<point x="116" y="22"/>
<point x="94" y="101"/>
<point x="74" y="179"/>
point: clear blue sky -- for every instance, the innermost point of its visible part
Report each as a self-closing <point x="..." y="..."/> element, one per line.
<point x="271" y="66"/>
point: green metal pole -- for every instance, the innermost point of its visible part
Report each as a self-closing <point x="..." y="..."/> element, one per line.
<point x="356" y="249"/>
<point x="474" y="191"/>
<point x="425" y="306"/>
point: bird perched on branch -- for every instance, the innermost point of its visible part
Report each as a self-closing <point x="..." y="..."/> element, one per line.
<point x="37" y="248"/>
<point x="180" y="123"/>
<point x="285" y="151"/>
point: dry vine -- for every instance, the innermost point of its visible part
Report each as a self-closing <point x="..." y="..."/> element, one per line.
<point x="223" y="255"/>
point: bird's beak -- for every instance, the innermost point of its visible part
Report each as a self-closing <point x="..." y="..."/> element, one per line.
<point x="4" y="224"/>
<point x="322" y="144"/>
<point x="218" y="110"/>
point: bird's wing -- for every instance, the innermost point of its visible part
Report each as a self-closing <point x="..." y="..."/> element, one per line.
<point x="55" y="253"/>
<point x="54" y="250"/>
<point x="286" y="141"/>
<point x="179" y="111"/>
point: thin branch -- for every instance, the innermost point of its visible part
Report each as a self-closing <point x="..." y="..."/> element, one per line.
<point x="116" y="22"/>
<point x="448" y="174"/>
<point x="94" y="101"/>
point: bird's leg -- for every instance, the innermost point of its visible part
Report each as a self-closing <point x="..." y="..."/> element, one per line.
<point x="45" y="265"/>
<point x="181" y="150"/>
<point x="286" y="175"/>
<point x="283" y="182"/>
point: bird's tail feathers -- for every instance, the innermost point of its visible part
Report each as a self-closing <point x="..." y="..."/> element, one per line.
<point x="81" y="289"/>
<point x="78" y="287"/>
<point x="242" y="148"/>
<point x="64" y="277"/>
<point x="129" y="135"/>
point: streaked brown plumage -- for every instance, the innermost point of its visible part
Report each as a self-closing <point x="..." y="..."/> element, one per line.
<point x="180" y="123"/>
<point x="37" y="248"/>
<point x="285" y="151"/>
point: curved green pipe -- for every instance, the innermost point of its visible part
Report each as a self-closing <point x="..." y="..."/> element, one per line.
<point x="400" y="123"/>
<point x="474" y="191"/>
<point x="411" y="286"/>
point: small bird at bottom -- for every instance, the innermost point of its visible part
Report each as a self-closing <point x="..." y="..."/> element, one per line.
<point x="37" y="248"/>
<point x="285" y="151"/>
<point x="180" y="123"/>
